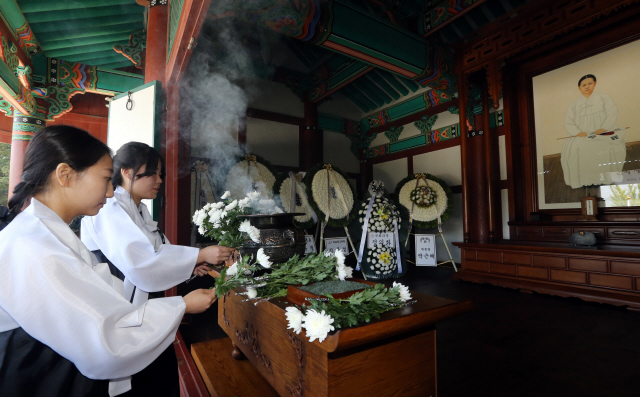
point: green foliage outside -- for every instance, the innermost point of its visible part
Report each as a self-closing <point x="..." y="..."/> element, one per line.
<point x="5" y="155"/>
<point x="624" y="196"/>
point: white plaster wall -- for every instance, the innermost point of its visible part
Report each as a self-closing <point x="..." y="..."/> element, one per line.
<point x="504" y="199"/>
<point x="390" y="172"/>
<point x="276" y="142"/>
<point x="445" y="164"/>
<point x="503" y="157"/>
<point x="336" y="151"/>
<point x="274" y="97"/>
<point x="339" y="106"/>
<point x="380" y="139"/>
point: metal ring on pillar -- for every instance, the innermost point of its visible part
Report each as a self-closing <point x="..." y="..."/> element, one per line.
<point x="129" y="104"/>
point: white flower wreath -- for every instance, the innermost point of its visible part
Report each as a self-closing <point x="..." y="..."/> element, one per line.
<point x="382" y="260"/>
<point x="319" y="188"/>
<point x="383" y="213"/>
<point x="429" y="213"/>
<point x="240" y="181"/>
<point x="285" y="197"/>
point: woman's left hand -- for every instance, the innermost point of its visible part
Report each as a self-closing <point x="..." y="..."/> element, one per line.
<point x="201" y="270"/>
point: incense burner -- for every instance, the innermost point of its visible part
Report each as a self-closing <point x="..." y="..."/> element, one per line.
<point x="279" y="237"/>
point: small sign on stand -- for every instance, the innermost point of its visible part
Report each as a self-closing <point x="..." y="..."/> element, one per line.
<point x="426" y="250"/>
<point x="385" y="238"/>
<point x="310" y="247"/>
<point x="337" y="243"/>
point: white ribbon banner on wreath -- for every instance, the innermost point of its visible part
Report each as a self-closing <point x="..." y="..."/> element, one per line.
<point x="365" y="226"/>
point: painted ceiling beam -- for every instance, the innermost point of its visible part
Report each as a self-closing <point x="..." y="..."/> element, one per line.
<point x="62" y="52"/>
<point x="83" y="13"/>
<point x="369" y="105"/>
<point x="372" y="91"/>
<point x="86" y="57"/>
<point x="374" y="79"/>
<point x="389" y="78"/>
<point x="443" y="14"/>
<point x="356" y="101"/>
<point x="334" y="79"/>
<point x="106" y="38"/>
<point x="49" y="5"/>
<point x="345" y="28"/>
<point x="46" y="27"/>
<point x="104" y="60"/>
<point x="98" y="31"/>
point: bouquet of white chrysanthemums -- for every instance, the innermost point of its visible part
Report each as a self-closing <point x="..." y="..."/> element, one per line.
<point x="326" y="314"/>
<point x="221" y="221"/>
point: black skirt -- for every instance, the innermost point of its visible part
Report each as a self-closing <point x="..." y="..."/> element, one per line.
<point x="160" y="378"/>
<point x="30" y="368"/>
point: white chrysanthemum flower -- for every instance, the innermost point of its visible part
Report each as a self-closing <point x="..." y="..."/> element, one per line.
<point x="251" y="293"/>
<point x="214" y="215"/>
<point x="218" y="205"/>
<point x="349" y="271"/>
<point x="252" y="231"/>
<point x="226" y="195"/>
<point x="405" y="295"/>
<point x="294" y="317"/>
<point x="223" y="214"/>
<point x="231" y="205"/>
<point x="202" y="230"/>
<point x="342" y="272"/>
<point x="232" y="270"/>
<point x="244" y="203"/>
<point x="340" y="257"/>
<point x="263" y="259"/>
<point x="318" y="325"/>
<point x="207" y="207"/>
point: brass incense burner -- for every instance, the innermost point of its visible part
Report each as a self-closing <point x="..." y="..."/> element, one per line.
<point x="279" y="237"/>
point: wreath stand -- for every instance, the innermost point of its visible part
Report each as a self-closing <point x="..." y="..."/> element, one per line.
<point x="422" y="177"/>
<point x="330" y="172"/>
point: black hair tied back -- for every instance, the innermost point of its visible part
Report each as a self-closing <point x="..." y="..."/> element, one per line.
<point x="50" y="147"/>
<point x="132" y="156"/>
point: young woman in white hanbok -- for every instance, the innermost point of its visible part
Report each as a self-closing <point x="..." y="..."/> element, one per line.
<point x="66" y="328"/>
<point x="124" y="235"/>
<point x="595" y="152"/>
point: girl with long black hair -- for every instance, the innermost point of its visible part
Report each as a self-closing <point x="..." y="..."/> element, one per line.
<point x="124" y="234"/>
<point x="66" y="328"/>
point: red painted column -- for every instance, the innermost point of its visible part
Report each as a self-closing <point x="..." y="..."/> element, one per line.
<point x="311" y="144"/>
<point x="156" y="52"/>
<point x="24" y="126"/>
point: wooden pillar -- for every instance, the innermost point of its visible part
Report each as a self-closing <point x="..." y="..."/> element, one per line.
<point x="24" y="126"/>
<point x="311" y="144"/>
<point x="489" y="163"/>
<point x="462" y="111"/>
<point x="156" y="52"/>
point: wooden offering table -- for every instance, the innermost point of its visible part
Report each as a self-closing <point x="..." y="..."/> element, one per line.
<point x="392" y="356"/>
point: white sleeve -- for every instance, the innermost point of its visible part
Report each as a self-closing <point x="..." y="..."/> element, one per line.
<point x="59" y="300"/>
<point x="129" y="249"/>
<point x="570" y="121"/>
<point x="611" y="112"/>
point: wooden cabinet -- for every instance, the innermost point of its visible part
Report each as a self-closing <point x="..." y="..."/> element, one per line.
<point x="608" y="275"/>
<point x="605" y="232"/>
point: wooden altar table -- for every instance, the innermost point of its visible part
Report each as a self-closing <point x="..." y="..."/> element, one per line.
<point x="392" y="356"/>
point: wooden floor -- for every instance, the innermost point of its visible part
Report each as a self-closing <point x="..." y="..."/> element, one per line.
<point x="516" y="344"/>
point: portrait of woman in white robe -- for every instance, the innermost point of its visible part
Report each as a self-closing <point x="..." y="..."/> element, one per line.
<point x="593" y="151"/>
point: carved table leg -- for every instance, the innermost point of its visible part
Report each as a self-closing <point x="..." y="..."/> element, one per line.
<point x="236" y="353"/>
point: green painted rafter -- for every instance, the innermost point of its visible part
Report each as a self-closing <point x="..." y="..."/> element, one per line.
<point x="28" y="6"/>
<point x="71" y="15"/>
<point x="85" y="41"/>
<point x="46" y="27"/>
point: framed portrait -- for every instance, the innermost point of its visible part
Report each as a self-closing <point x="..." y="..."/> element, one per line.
<point x="587" y="130"/>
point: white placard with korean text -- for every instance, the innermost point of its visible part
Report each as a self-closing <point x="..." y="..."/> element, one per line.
<point x="310" y="247"/>
<point x="385" y="238"/>
<point x="426" y="250"/>
<point x="338" y="243"/>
